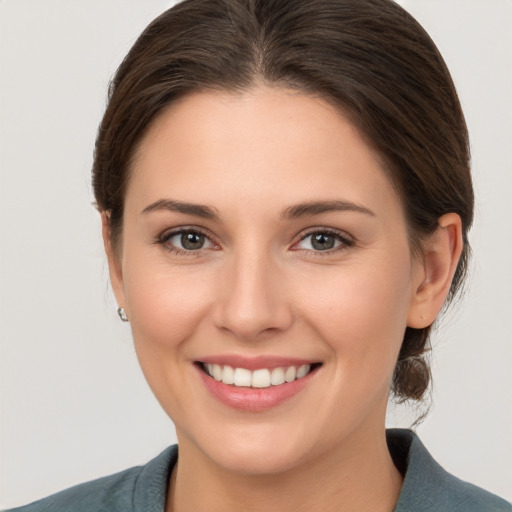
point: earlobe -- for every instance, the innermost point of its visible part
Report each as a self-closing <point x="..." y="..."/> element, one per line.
<point x="441" y="253"/>
<point x="114" y="260"/>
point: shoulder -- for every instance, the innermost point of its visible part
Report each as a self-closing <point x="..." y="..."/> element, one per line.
<point x="125" y="491"/>
<point x="428" y="487"/>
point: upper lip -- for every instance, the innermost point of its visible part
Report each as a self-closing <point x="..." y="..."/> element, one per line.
<point x="255" y="363"/>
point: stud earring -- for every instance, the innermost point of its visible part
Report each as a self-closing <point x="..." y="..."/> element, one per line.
<point x="122" y="314"/>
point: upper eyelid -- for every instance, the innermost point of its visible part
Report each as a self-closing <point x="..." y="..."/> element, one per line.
<point x="332" y="231"/>
<point x="346" y="241"/>
<point x="163" y="239"/>
<point x="170" y="232"/>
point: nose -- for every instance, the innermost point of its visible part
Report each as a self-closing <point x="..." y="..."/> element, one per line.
<point x="253" y="301"/>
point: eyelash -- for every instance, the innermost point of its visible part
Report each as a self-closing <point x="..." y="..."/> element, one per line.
<point x="164" y="238"/>
<point x="345" y="241"/>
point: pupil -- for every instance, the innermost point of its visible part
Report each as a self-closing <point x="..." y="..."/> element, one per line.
<point x="322" y="242"/>
<point x="192" y="241"/>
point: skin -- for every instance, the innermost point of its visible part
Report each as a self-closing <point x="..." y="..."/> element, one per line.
<point x="258" y="287"/>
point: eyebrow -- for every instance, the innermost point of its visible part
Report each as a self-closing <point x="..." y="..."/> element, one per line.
<point x="317" y="207"/>
<point x="292" y="212"/>
<point x="197" y="210"/>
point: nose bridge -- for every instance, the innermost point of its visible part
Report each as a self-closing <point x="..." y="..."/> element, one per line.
<point x="253" y="302"/>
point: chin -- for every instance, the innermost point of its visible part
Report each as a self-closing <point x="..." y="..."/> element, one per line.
<point x="256" y="459"/>
<point x="255" y="450"/>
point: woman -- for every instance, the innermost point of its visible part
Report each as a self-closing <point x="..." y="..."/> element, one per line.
<point x="282" y="232"/>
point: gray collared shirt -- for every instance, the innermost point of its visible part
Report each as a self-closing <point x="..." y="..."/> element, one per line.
<point x="427" y="486"/>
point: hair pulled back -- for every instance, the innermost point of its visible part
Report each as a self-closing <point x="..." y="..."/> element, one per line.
<point x="368" y="57"/>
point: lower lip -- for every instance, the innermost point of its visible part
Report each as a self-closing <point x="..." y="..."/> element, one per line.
<point x="254" y="399"/>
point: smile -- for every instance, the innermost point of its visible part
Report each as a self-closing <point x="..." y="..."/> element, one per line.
<point x="257" y="384"/>
<point x="260" y="378"/>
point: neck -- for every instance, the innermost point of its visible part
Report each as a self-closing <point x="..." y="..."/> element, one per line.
<point x="357" y="475"/>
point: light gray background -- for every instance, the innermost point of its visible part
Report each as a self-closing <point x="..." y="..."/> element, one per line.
<point x="74" y="404"/>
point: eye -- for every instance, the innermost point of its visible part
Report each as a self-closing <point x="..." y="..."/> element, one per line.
<point x="186" y="240"/>
<point x="323" y="241"/>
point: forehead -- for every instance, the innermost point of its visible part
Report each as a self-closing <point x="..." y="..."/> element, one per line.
<point x="266" y="143"/>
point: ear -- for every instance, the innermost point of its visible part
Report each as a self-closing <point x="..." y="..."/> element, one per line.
<point x="435" y="270"/>
<point x="114" y="261"/>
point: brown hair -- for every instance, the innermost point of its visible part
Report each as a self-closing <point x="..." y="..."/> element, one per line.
<point x="369" y="57"/>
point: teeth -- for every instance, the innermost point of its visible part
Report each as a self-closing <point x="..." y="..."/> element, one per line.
<point x="290" y="374"/>
<point x="277" y="376"/>
<point x="242" y="377"/>
<point x="228" y="375"/>
<point x="217" y="372"/>
<point x="262" y="378"/>
<point x="302" y="371"/>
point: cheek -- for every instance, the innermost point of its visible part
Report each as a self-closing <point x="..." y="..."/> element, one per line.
<point x="361" y="313"/>
<point x="167" y="307"/>
<point x="166" y="304"/>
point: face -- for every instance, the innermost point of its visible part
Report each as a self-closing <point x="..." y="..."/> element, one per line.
<point x="266" y="272"/>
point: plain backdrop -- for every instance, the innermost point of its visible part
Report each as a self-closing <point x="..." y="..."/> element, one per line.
<point x="74" y="404"/>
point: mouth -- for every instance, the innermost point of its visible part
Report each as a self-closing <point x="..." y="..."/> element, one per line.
<point x="259" y="378"/>
<point x="255" y="384"/>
